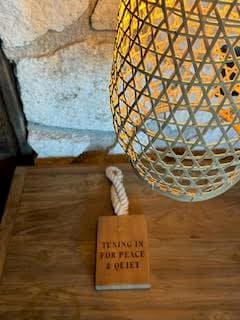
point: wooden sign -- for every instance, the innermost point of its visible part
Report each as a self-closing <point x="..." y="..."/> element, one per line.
<point x="122" y="260"/>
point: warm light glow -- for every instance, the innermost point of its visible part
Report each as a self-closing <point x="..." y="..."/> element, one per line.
<point x="175" y="93"/>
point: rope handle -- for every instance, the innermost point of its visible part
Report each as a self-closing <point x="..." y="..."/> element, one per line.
<point x="119" y="197"/>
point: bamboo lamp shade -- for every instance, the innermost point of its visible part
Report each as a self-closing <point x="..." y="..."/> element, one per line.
<point x="175" y="94"/>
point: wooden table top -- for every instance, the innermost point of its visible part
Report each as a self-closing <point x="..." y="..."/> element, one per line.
<point x="48" y="236"/>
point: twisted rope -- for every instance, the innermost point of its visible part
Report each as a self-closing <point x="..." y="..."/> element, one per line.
<point x="118" y="193"/>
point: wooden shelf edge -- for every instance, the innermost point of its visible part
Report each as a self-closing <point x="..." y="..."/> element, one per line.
<point x="10" y="213"/>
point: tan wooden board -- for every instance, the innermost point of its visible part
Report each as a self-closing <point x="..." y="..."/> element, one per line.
<point x="122" y="259"/>
<point x="51" y="250"/>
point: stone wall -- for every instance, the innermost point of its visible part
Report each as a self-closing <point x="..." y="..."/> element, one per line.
<point x="63" y="52"/>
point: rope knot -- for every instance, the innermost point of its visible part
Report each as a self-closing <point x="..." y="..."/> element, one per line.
<point x="118" y="193"/>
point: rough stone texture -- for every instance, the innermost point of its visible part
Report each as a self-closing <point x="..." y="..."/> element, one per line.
<point x="52" y="41"/>
<point x="53" y="142"/>
<point x="63" y="59"/>
<point x="22" y="21"/>
<point x="58" y="142"/>
<point x="68" y="89"/>
<point x="105" y="15"/>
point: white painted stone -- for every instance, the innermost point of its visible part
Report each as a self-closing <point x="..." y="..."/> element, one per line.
<point x="68" y="89"/>
<point x="59" y="142"/>
<point x="117" y="150"/>
<point x="105" y="15"/>
<point x="22" y="21"/>
<point x="52" y="142"/>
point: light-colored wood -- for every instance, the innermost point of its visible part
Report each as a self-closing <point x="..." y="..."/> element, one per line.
<point x="50" y="265"/>
<point x="122" y="259"/>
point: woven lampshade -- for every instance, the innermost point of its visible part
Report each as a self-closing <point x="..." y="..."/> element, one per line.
<point x="175" y="94"/>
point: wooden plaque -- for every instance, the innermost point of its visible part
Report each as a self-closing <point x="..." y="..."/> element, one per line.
<point x="122" y="259"/>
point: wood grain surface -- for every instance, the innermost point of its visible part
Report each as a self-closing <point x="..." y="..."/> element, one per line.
<point x="122" y="257"/>
<point x="49" y="270"/>
<point x="9" y="217"/>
